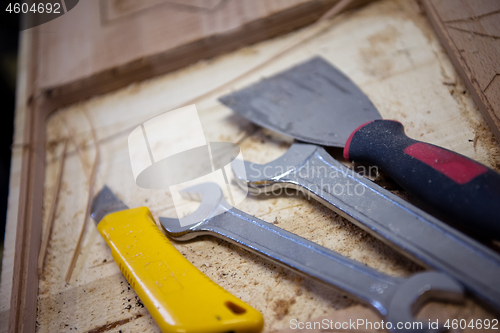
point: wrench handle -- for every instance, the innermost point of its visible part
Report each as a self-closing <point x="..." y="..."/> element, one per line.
<point x="462" y="188"/>
<point x="305" y="257"/>
<point x="391" y="219"/>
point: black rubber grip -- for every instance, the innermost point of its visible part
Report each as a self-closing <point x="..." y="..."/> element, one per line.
<point x="456" y="185"/>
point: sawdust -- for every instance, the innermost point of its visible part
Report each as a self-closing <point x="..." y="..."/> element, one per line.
<point x="281" y="307"/>
<point x="483" y="137"/>
<point x="374" y="63"/>
<point x="269" y="289"/>
<point x="52" y="145"/>
<point x="110" y="326"/>
<point x="386" y="36"/>
<point x="376" y="59"/>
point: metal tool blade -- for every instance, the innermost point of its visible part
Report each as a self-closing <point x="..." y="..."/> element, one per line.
<point x="104" y="203"/>
<point x="312" y="102"/>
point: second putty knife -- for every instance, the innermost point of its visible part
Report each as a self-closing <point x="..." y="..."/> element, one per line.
<point x="314" y="102"/>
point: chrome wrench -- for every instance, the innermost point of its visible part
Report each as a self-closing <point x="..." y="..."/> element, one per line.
<point x="411" y="231"/>
<point x="395" y="299"/>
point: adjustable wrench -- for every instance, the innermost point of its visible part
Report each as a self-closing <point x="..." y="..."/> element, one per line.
<point x="395" y="299"/>
<point x="411" y="231"/>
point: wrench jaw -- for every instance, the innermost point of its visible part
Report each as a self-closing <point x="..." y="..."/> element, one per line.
<point x="263" y="178"/>
<point x="414" y="293"/>
<point x="191" y="226"/>
<point x="175" y="231"/>
<point x="254" y="183"/>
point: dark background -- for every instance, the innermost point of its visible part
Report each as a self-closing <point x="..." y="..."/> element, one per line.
<point x="9" y="35"/>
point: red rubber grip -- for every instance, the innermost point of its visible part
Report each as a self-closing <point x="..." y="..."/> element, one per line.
<point x="460" y="169"/>
<point x="453" y="184"/>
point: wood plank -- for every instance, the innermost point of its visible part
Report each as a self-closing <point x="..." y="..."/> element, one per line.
<point x="100" y="46"/>
<point x="22" y="94"/>
<point x="470" y="32"/>
<point x="388" y="49"/>
<point x="28" y="221"/>
<point x="34" y="105"/>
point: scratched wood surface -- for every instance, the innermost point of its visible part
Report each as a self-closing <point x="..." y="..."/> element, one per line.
<point x="470" y="32"/>
<point x="387" y="48"/>
<point x="104" y="45"/>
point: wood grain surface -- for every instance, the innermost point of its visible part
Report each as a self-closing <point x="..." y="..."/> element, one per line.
<point x="387" y="48"/>
<point x="35" y="102"/>
<point x="104" y="45"/>
<point x="470" y="32"/>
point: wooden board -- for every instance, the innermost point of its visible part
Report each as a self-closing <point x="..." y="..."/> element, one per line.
<point x="388" y="49"/>
<point x="104" y="45"/>
<point x="36" y="101"/>
<point x="470" y="32"/>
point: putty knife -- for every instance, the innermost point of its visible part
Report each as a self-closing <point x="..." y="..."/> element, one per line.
<point x="179" y="297"/>
<point x="314" y="102"/>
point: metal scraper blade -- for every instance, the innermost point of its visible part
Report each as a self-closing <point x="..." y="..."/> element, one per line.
<point x="312" y="102"/>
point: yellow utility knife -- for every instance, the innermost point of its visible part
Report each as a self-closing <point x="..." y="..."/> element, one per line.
<point x="179" y="297"/>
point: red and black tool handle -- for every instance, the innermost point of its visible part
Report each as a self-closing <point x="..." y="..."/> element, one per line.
<point x="456" y="185"/>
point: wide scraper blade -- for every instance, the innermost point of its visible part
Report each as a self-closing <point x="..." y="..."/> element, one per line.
<point x="312" y="102"/>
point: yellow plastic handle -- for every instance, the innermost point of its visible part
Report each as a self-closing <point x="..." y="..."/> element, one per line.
<point x="179" y="297"/>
